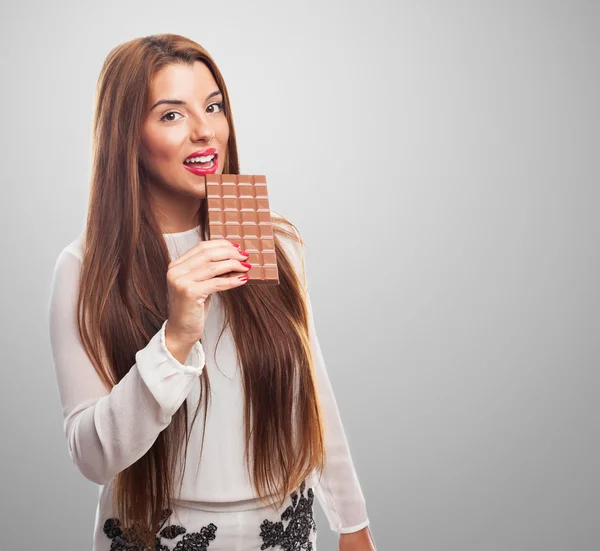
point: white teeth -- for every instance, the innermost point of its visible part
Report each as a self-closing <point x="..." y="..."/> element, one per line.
<point x="200" y="159"/>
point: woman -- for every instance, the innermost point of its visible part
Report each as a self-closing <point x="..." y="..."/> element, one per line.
<point x="136" y="351"/>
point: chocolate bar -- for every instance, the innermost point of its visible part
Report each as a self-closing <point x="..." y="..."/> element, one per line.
<point x="238" y="210"/>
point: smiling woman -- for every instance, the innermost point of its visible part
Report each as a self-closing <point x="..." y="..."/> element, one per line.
<point x="169" y="139"/>
<point x="136" y="352"/>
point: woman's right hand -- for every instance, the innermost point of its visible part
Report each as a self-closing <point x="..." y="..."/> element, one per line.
<point x="192" y="278"/>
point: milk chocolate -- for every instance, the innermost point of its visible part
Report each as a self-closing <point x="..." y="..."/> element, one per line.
<point x="238" y="210"/>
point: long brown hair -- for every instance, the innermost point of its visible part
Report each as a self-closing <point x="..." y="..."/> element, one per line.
<point x="123" y="302"/>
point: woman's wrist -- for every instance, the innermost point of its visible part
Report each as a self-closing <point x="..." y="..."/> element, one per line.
<point x="178" y="348"/>
<point x="357" y="541"/>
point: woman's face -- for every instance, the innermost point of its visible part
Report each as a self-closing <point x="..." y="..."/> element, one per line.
<point x="171" y="132"/>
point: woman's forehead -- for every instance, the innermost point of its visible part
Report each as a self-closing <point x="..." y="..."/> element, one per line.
<point x="176" y="79"/>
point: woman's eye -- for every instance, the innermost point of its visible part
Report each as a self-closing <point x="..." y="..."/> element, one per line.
<point x="219" y="104"/>
<point x="164" y="117"/>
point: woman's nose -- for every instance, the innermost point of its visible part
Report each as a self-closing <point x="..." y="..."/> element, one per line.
<point x="202" y="131"/>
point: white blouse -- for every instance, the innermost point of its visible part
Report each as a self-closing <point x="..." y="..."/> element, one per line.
<point x="107" y="431"/>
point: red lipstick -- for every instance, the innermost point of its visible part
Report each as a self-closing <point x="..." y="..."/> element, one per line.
<point x="202" y="153"/>
<point x="195" y="168"/>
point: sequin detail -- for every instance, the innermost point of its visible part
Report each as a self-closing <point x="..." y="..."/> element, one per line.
<point x="296" y="535"/>
<point x="194" y="541"/>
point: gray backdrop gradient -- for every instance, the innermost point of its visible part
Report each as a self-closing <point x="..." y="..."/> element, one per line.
<point x="459" y="319"/>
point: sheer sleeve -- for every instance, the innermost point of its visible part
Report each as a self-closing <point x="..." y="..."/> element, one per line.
<point x="109" y="430"/>
<point x="338" y="490"/>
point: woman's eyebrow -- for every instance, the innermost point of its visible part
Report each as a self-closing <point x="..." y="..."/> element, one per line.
<point x="181" y="102"/>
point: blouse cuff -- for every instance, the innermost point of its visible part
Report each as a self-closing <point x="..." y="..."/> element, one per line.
<point x="168" y="380"/>
<point x="355" y="528"/>
<point x="197" y="354"/>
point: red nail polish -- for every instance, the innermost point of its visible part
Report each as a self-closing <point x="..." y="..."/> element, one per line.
<point x="235" y="244"/>
<point x="243" y="278"/>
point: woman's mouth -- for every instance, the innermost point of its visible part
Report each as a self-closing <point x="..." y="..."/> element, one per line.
<point x="202" y="165"/>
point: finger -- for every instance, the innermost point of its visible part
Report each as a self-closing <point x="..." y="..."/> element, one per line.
<point x="212" y="270"/>
<point x="216" y="284"/>
<point x="201" y="245"/>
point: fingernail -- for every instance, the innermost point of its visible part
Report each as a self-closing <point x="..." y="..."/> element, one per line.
<point x="244" y="253"/>
<point x="235" y="244"/>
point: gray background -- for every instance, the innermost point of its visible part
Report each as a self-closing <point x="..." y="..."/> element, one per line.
<point x="458" y="317"/>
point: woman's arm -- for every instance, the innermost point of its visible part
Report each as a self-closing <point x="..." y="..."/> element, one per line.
<point x="109" y="430"/>
<point x="338" y="490"/>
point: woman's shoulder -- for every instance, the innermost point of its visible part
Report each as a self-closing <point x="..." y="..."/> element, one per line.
<point x="75" y="247"/>
<point x="67" y="267"/>
<point x="286" y="231"/>
<point x="291" y="241"/>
